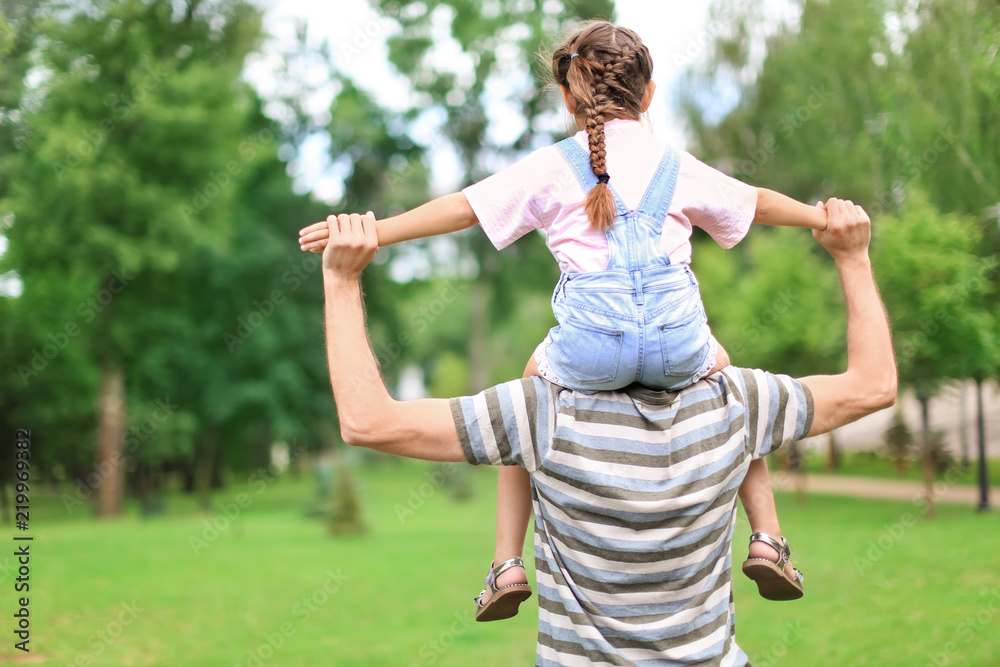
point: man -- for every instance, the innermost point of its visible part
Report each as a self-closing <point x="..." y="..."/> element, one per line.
<point x="634" y="491"/>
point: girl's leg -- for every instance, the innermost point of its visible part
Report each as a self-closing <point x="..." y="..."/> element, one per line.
<point x="513" y="513"/>
<point x="758" y="502"/>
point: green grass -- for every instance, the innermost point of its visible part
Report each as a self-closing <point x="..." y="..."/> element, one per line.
<point x="871" y="464"/>
<point x="402" y="595"/>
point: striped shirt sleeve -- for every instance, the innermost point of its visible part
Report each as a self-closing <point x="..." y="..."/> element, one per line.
<point x="779" y="410"/>
<point x="504" y="424"/>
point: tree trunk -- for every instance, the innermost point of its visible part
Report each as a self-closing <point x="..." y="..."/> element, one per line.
<point x="188" y="477"/>
<point x="144" y="488"/>
<point x="963" y="432"/>
<point x="984" y="480"/>
<point x="110" y="457"/>
<point x="346" y="517"/>
<point x="203" y="470"/>
<point x="798" y="470"/>
<point x="833" y="452"/>
<point x="925" y="418"/>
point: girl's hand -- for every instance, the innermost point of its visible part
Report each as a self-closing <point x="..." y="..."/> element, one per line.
<point x="314" y="237"/>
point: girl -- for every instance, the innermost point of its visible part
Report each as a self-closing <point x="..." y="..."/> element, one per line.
<point x="627" y="303"/>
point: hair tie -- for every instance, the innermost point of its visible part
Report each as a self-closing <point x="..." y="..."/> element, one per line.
<point x="604" y="178"/>
<point x="573" y="56"/>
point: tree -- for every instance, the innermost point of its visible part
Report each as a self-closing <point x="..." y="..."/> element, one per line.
<point x="105" y="196"/>
<point x="910" y="105"/>
<point x="932" y="280"/>
<point x="912" y="101"/>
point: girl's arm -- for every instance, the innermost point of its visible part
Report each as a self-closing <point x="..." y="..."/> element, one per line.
<point x="774" y="208"/>
<point x="440" y="216"/>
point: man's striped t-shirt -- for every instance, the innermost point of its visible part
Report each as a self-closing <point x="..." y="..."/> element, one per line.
<point x="634" y="496"/>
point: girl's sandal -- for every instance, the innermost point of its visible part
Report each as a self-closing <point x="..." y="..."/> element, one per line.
<point x="506" y="599"/>
<point x="770" y="577"/>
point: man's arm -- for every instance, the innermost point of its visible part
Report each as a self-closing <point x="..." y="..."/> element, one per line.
<point x="869" y="383"/>
<point x="774" y="208"/>
<point x="443" y="215"/>
<point x="369" y="416"/>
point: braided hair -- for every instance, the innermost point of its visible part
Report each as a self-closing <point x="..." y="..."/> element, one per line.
<point x="606" y="69"/>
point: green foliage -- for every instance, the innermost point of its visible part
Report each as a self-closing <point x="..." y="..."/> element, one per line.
<point x="153" y="226"/>
<point x="776" y="304"/>
<point x="891" y="105"/>
<point x="934" y="283"/>
<point x="860" y="100"/>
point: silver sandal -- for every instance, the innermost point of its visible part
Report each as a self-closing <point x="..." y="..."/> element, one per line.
<point x="506" y="599"/>
<point x="770" y="577"/>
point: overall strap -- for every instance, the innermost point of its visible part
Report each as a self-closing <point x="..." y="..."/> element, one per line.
<point x="579" y="160"/>
<point x="656" y="200"/>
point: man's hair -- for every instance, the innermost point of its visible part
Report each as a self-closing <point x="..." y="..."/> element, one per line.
<point x="606" y="69"/>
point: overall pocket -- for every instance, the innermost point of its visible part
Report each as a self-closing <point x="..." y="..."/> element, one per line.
<point x="684" y="343"/>
<point x="585" y="353"/>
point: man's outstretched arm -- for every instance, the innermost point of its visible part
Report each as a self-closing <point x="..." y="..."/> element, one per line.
<point x="369" y="416"/>
<point x="869" y="384"/>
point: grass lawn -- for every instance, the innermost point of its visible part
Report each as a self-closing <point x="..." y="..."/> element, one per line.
<point x="884" y="587"/>
<point x="871" y="464"/>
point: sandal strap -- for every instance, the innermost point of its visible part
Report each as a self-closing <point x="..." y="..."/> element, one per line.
<point x="506" y="565"/>
<point x="491" y="577"/>
<point x="784" y="553"/>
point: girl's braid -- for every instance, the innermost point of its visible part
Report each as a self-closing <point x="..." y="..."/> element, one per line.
<point x="607" y="75"/>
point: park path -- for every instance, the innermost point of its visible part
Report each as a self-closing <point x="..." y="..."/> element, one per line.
<point x="876" y="488"/>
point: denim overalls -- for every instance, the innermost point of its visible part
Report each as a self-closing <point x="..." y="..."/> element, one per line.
<point x="641" y="319"/>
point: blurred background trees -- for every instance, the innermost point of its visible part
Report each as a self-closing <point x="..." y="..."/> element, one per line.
<point x="159" y="324"/>
<point x="894" y="106"/>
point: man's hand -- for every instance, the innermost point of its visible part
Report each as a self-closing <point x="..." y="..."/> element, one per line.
<point x="848" y="231"/>
<point x="352" y="244"/>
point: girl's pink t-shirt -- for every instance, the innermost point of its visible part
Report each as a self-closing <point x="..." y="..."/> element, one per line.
<point x="541" y="191"/>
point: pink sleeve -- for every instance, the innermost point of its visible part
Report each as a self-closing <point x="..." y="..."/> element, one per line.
<point x="721" y="205"/>
<point x="505" y="202"/>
